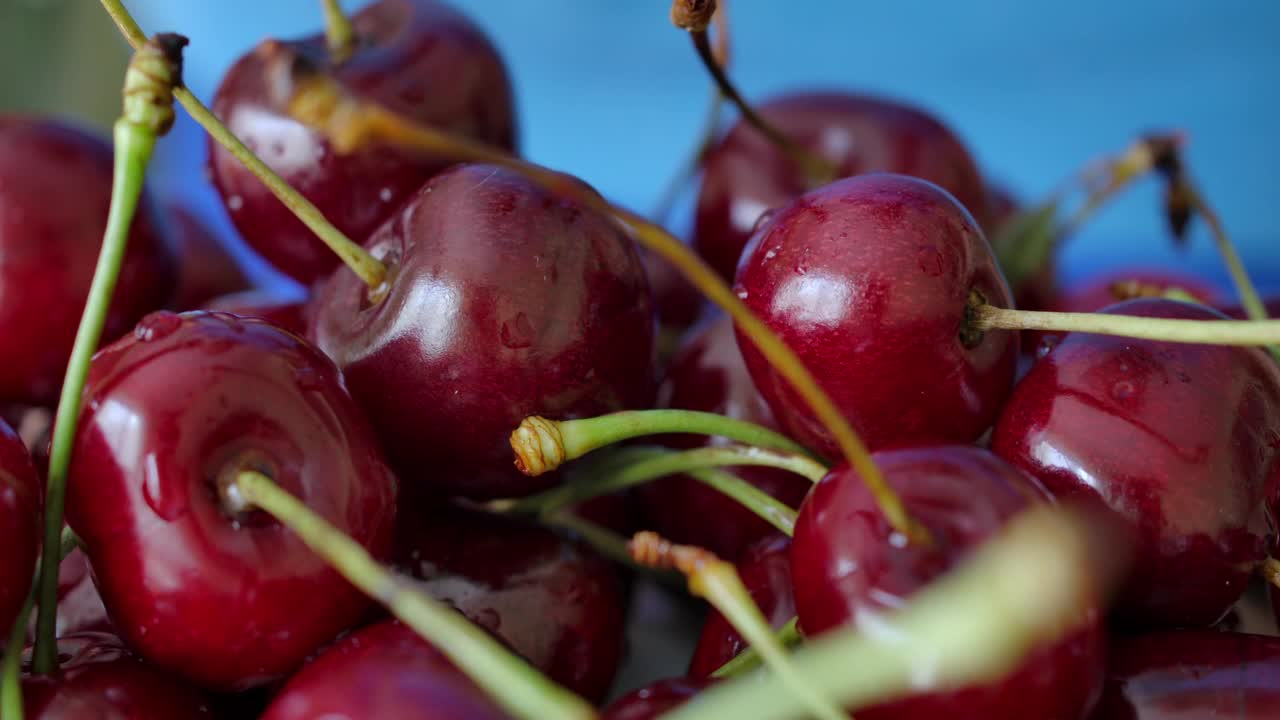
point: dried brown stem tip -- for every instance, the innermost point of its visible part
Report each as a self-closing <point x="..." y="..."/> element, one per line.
<point x="153" y="73"/>
<point x="652" y="550"/>
<point x="692" y="15"/>
<point x="538" y="445"/>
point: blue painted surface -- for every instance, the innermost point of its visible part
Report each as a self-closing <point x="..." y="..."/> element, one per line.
<point x="609" y="91"/>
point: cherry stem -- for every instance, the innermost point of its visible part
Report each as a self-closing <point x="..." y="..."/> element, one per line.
<point x="338" y="32"/>
<point x="542" y="445"/>
<point x="635" y="466"/>
<point x="349" y="122"/>
<point x="11" y="671"/>
<point x="1270" y="570"/>
<point x="508" y="679"/>
<point x="368" y="268"/>
<point x="718" y="582"/>
<point x="606" y="542"/>
<point x="153" y="72"/>
<point x="1047" y="550"/>
<point x="747" y="660"/>
<point x="1178" y="330"/>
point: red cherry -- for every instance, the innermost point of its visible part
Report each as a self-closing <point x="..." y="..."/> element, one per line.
<point x="655" y="699"/>
<point x="868" y="280"/>
<point x="765" y="569"/>
<point x="206" y="268"/>
<point x="382" y="671"/>
<point x="228" y="601"/>
<point x="505" y="301"/>
<point x="1178" y="440"/>
<point x="418" y="57"/>
<point x="745" y="174"/>
<point x="19" y="524"/>
<point x="48" y="251"/>
<point x="554" y="602"/>
<point x="99" y="679"/>
<point x="849" y="566"/>
<point x="679" y="304"/>
<point x="1192" y="674"/>
<point x="284" y="310"/>
<point x="708" y="374"/>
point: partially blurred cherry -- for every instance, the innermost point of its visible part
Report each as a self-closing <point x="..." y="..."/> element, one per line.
<point x="285" y="310"/>
<point x="19" y="524"/>
<point x="206" y="267"/>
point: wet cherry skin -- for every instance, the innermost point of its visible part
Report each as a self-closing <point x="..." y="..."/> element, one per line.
<point x="745" y="174"/>
<point x="505" y="301"/>
<point x="287" y="311"/>
<point x="708" y="374"/>
<point x="654" y="699"/>
<point x="421" y="58"/>
<point x="48" y="251"/>
<point x="1178" y="440"/>
<point x="382" y="671"/>
<point x="765" y="569"/>
<point x="867" y="280"/>
<point x="100" y="679"/>
<point x="848" y="564"/>
<point x="229" y="601"/>
<point x="555" y="602"/>
<point x="19" y="524"/>
<point x="1191" y="674"/>
<point x="206" y="267"/>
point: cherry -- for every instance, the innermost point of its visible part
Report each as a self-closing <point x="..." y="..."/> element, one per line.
<point x="1191" y="674"/>
<point x="19" y="524"/>
<point x="1237" y="312"/>
<point x="655" y="699"/>
<point x="708" y="374"/>
<point x="418" y="57"/>
<point x="765" y="569"/>
<point x="868" y="280"/>
<point x="555" y="602"/>
<point x="100" y="679"/>
<point x="48" y="251"/>
<point x="206" y="268"/>
<point x="284" y="310"/>
<point x="1178" y="440"/>
<point x="505" y="301"/>
<point x="170" y="412"/>
<point x="849" y="566"/>
<point x="678" y="303"/>
<point x="746" y="174"/>
<point x="382" y="671"/>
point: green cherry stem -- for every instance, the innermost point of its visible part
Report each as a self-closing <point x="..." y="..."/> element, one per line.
<point x="1203" y="332"/>
<point x="747" y="660"/>
<point x="718" y="582"/>
<point x="153" y="72"/>
<point x="508" y="679"/>
<point x="365" y="266"/>
<point x="542" y="445"/>
<point x="339" y="35"/>
<point x="606" y="542"/>
<point x="1030" y="584"/>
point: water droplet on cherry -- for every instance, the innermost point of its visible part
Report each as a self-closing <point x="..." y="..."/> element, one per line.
<point x="157" y="325"/>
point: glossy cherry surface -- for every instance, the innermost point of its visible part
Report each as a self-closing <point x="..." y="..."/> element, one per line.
<point x="49" y="248"/>
<point x="1179" y="440"/>
<point x="654" y="699"/>
<point x="849" y="566"/>
<point x="100" y="680"/>
<point x="745" y="174"/>
<point x="1192" y="674"/>
<point x="19" y="524"/>
<point x="868" y="280"/>
<point x="505" y="301"/>
<point x="382" y="671"/>
<point x="765" y="569"/>
<point x="555" y="602"/>
<point x="284" y="310"/>
<point x="206" y="267"/>
<point x="420" y="58"/>
<point x="708" y="374"/>
<point x="228" y="601"/>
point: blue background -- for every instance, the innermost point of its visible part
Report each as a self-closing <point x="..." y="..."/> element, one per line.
<point x="608" y="90"/>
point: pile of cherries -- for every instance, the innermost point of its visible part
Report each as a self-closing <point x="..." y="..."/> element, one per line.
<point x="389" y="413"/>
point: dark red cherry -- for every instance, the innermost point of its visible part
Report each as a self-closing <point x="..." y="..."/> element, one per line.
<point x="868" y="280"/>
<point x="849" y="565"/>
<point x="382" y="671"/>
<point x="19" y="524"/>
<point x="206" y="268"/>
<point x="418" y="57"/>
<point x="1178" y="440"/>
<point x="654" y="699"/>
<point x="283" y="309"/>
<point x="230" y="601"/>
<point x="505" y="301"/>
<point x="745" y="174"/>
<point x="1192" y="674"/>
<point x="55" y="187"/>
<point x="678" y="304"/>
<point x="555" y="602"/>
<point x="99" y="680"/>
<point x="708" y="374"/>
<point x="765" y="569"/>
